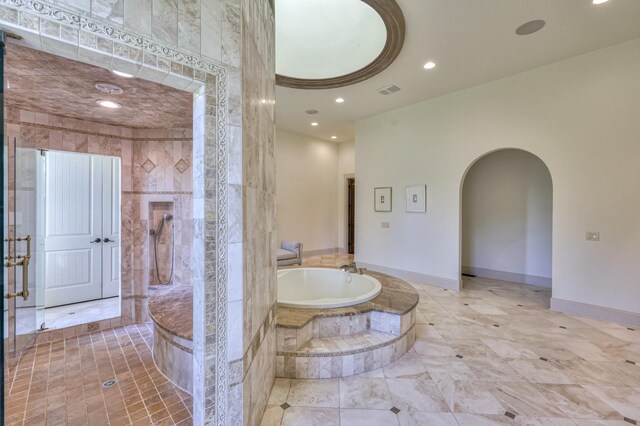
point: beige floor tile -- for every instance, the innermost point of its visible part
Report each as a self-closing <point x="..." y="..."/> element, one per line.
<point x="577" y="402"/>
<point x="525" y="399"/>
<point x="359" y="392"/>
<point x="433" y="348"/>
<point x="540" y="371"/>
<point x="474" y="397"/>
<point x="416" y="395"/>
<point x="497" y="420"/>
<point x="272" y="416"/>
<point x="492" y="369"/>
<point x="511" y="350"/>
<point x="323" y="393"/>
<point x="304" y="416"/>
<point x="367" y="418"/>
<point x="422" y="419"/>
<point x="447" y="368"/>
<point x="625" y="400"/>
<point x="279" y="391"/>
<point x="408" y="367"/>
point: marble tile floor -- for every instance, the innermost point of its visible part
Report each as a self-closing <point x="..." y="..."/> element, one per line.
<point x="492" y="354"/>
<point x="81" y="313"/>
<point x="60" y="383"/>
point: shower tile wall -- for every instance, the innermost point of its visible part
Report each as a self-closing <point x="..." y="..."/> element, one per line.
<point x="254" y="234"/>
<point x="162" y="174"/>
<point x="163" y="182"/>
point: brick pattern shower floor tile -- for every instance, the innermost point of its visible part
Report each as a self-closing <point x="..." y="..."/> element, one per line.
<point x="60" y="383"/>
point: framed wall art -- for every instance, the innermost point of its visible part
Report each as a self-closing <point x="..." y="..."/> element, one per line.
<point x="416" y="198"/>
<point x="382" y="199"/>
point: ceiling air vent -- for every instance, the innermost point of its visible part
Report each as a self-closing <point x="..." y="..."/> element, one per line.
<point x="109" y="88"/>
<point x="388" y="90"/>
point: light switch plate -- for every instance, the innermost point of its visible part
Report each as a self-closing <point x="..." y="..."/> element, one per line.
<point x="593" y="236"/>
<point x="385" y="225"/>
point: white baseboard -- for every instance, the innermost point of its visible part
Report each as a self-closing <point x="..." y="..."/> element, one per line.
<point x="595" y="312"/>
<point x="416" y="277"/>
<point x="508" y="276"/>
<point x="321" y="252"/>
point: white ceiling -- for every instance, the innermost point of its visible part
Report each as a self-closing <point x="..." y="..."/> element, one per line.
<point x="326" y="38"/>
<point x="472" y="42"/>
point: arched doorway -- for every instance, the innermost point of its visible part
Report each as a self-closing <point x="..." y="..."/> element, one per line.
<point x="506" y="218"/>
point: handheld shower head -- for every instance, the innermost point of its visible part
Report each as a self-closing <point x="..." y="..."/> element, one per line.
<point x="167" y="216"/>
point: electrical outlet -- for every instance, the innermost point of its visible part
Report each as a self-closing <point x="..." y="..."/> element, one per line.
<point x="385" y="225"/>
<point x="593" y="236"/>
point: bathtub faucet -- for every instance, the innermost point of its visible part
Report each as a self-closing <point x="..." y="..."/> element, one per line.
<point x="351" y="267"/>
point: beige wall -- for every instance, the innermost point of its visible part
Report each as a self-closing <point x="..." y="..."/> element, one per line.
<point x="307" y="203"/>
<point x="579" y="116"/>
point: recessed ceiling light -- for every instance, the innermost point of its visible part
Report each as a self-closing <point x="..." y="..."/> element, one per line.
<point x="122" y="74"/>
<point x="334" y="137"/>
<point x="108" y="104"/>
<point x="339" y="100"/>
<point x="429" y="65"/>
<point x="530" y="27"/>
<point x="314" y="124"/>
<point x="599" y="1"/>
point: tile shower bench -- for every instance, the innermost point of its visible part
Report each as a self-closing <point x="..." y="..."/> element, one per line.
<point x="172" y="315"/>
<point x="339" y="342"/>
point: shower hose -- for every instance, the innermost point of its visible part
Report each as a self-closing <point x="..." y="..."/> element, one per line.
<point x="156" y="236"/>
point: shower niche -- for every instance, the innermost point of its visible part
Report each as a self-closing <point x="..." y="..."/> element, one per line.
<point x="162" y="239"/>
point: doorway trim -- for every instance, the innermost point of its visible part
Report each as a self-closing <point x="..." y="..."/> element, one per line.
<point x="78" y="37"/>
<point x="460" y="203"/>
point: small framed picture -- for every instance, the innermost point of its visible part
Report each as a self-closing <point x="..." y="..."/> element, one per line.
<point x="382" y="199"/>
<point x="416" y="198"/>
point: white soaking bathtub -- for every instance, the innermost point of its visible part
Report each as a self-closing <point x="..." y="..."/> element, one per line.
<point x="318" y="288"/>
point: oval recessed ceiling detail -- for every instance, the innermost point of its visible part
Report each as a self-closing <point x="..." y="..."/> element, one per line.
<point x="323" y="44"/>
<point x="531" y="27"/>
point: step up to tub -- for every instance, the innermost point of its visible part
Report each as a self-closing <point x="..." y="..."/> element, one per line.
<point x="339" y="342"/>
<point x="342" y="356"/>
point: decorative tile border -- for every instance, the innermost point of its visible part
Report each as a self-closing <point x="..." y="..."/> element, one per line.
<point x="188" y="72"/>
<point x="239" y="368"/>
<point x="88" y="133"/>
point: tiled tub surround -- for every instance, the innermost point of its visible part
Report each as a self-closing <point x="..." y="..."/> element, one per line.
<point x="164" y="182"/>
<point x="340" y="342"/>
<point x="172" y="316"/>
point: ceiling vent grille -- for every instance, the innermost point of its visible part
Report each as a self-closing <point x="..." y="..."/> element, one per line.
<point x="388" y="90"/>
<point x="108" y="88"/>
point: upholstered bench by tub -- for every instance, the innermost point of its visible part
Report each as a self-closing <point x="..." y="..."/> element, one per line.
<point x="290" y="253"/>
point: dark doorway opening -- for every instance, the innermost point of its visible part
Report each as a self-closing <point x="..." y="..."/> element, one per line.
<point x="351" y="214"/>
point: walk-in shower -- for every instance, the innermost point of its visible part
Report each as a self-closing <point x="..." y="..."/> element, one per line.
<point x="156" y="234"/>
